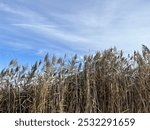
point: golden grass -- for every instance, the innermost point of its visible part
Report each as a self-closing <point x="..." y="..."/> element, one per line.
<point x="104" y="82"/>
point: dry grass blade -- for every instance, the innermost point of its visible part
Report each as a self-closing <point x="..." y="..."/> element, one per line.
<point x="105" y="82"/>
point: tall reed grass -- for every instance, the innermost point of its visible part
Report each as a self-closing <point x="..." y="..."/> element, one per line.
<point x="105" y="82"/>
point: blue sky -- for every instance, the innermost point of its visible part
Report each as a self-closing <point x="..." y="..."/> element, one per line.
<point x="31" y="28"/>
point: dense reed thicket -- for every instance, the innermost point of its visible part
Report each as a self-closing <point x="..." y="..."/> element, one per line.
<point x="105" y="82"/>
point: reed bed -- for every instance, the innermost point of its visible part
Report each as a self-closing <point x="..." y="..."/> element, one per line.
<point x="105" y="82"/>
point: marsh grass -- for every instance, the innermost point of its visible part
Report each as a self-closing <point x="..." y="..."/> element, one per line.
<point x="105" y="82"/>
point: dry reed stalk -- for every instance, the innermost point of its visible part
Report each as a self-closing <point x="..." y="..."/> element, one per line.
<point x="106" y="82"/>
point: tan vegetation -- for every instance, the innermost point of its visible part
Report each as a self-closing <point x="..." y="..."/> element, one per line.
<point x="105" y="82"/>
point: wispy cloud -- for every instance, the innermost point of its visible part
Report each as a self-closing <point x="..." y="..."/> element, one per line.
<point x="82" y="26"/>
<point x="52" y="31"/>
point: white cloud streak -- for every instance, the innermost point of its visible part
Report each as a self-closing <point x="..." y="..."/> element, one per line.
<point x="105" y="24"/>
